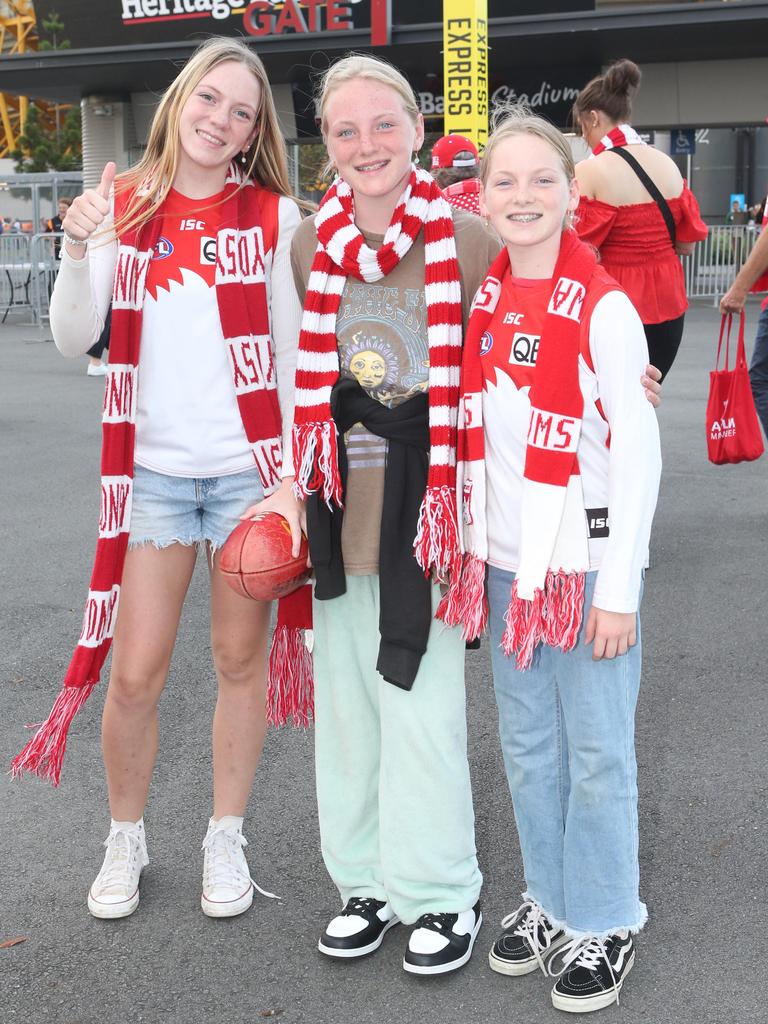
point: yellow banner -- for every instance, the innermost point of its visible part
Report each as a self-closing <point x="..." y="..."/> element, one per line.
<point x="465" y="69"/>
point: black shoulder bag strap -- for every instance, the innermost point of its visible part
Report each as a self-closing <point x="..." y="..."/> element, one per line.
<point x="661" y="202"/>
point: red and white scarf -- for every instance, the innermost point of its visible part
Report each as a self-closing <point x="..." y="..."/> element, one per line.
<point x="342" y="252"/>
<point x="548" y="592"/>
<point x="621" y="135"/>
<point x="241" y="295"/>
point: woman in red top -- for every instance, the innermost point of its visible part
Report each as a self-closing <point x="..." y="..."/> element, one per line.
<point x="620" y="216"/>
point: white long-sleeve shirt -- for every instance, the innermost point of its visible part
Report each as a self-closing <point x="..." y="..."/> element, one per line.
<point x="188" y="422"/>
<point x="618" y="452"/>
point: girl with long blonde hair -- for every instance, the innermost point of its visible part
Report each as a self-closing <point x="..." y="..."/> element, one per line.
<point x="387" y="271"/>
<point x="191" y="247"/>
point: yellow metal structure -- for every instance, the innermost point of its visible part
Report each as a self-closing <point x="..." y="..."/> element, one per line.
<point x="18" y="34"/>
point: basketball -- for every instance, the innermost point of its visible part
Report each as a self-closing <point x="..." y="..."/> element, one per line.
<point x="256" y="558"/>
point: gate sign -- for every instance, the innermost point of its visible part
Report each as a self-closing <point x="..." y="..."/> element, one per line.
<point x="136" y="22"/>
<point x="465" y="69"/>
<point x="683" y="141"/>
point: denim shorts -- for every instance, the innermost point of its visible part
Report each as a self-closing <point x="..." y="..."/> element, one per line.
<point x="187" y="510"/>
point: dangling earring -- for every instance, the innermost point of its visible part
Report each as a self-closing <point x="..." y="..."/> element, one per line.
<point x="415" y="156"/>
<point x="243" y="159"/>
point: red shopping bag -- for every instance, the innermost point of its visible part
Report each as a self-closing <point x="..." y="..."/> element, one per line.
<point x="733" y="431"/>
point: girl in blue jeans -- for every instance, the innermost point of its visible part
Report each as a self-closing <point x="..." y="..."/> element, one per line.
<point x="559" y="470"/>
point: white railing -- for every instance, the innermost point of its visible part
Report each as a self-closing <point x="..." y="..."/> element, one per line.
<point x="714" y="263"/>
<point x="28" y="268"/>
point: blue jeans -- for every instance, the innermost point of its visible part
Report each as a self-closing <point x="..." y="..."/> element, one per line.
<point x="567" y="734"/>
<point x="189" y="510"/>
<point x="758" y="370"/>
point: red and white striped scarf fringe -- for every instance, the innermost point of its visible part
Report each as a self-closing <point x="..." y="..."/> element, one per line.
<point x="621" y="135"/>
<point x="242" y="302"/>
<point x="547" y="600"/>
<point x="343" y="252"/>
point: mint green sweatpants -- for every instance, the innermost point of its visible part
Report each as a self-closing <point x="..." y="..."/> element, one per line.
<point x="393" y="786"/>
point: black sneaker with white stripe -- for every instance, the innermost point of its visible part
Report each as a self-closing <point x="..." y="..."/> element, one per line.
<point x="526" y="942"/>
<point x="440" y="943"/>
<point x="592" y="972"/>
<point x="359" y="929"/>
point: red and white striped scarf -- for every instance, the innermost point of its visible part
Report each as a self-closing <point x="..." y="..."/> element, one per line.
<point x="341" y="252"/>
<point x="621" y="135"/>
<point x="548" y="593"/>
<point x="241" y="295"/>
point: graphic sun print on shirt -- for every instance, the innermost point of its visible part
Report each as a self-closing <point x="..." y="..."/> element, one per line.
<point x="372" y="362"/>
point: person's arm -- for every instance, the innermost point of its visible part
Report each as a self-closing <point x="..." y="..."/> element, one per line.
<point x="619" y="353"/>
<point x="584" y="177"/>
<point x="757" y="262"/>
<point x="83" y="288"/>
<point x="82" y="293"/>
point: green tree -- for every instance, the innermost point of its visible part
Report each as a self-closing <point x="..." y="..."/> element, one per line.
<point x="52" y="26"/>
<point x="41" y="150"/>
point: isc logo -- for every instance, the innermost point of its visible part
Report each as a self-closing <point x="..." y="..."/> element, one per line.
<point x="597" y="521"/>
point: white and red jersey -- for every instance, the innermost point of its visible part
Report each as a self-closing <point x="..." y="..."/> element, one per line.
<point x="618" y="447"/>
<point x="187" y="420"/>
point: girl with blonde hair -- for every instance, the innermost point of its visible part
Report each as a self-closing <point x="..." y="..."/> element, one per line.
<point x="191" y="247"/>
<point x="558" y="475"/>
<point x="386" y="267"/>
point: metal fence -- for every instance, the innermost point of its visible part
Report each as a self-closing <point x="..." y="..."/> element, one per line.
<point x="28" y="267"/>
<point x="714" y="263"/>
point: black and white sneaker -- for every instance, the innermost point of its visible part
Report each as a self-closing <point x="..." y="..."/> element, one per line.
<point x="442" y="942"/>
<point x="526" y="942"/>
<point x="359" y="929"/>
<point x="592" y="972"/>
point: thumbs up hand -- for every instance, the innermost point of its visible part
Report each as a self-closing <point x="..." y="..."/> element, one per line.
<point x="87" y="212"/>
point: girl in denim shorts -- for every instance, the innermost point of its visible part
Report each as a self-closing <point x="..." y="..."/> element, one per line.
<point x="191" y="249"/>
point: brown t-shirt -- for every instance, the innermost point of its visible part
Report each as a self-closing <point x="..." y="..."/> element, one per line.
<point x="381" y="330"/>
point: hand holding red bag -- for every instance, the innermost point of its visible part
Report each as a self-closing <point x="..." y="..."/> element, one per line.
<point x="733" y="431"/>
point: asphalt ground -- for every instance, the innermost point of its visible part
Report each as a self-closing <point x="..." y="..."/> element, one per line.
<point x="701" y="732"/>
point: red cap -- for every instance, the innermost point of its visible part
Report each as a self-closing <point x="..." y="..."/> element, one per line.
<point x="454" y="151"/>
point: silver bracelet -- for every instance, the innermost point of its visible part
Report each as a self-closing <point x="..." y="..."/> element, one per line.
<point x="76" y="241"/>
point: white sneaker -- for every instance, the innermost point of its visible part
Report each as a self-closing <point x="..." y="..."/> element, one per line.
<point x="227" y="883"/>
<point x="440" y="943"/>
<point x="115" y="892"/>
<point x="96" y="370"/>
<point x="359" y="929"/>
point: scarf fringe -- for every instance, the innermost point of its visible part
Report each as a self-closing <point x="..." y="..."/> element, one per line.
<point x="553" y="617"/>
<point x="316" y="459"/>
<point x="466" y="603"/>
<point x="436" y="545"/>
<point x="290" y="691"/>
<point x="44" y="754"/>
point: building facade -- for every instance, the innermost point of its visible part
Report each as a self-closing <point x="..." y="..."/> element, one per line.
<point x="704" y="93"/>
